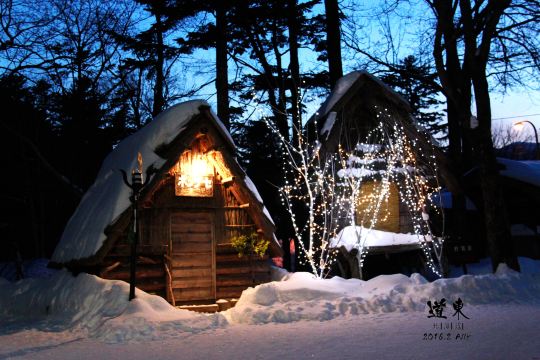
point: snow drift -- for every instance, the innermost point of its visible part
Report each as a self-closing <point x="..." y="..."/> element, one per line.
<point x="101" y="310"/>
<point x="98" y="307"/>
<point x="303" y="297"/>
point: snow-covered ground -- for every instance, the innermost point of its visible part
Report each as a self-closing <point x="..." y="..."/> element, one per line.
<point x="299" y="317"/>
<point x="360" y="237"/>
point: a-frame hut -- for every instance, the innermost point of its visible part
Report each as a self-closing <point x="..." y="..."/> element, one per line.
<point x="352" y="109"/>
<point x="196" y="198"/>
<point x="347" y="116"/>
<point x="357" y="104"/>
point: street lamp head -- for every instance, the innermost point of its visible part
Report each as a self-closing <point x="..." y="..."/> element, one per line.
<point x="519" y="125"/>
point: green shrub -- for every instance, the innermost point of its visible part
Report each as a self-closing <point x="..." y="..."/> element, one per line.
<point x="250" y="244"/>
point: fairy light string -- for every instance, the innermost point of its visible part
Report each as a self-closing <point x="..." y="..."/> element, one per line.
<point x="327" y="188"/>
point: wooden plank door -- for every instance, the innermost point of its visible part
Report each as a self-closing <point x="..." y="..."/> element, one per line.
<point x="193" y="257"/>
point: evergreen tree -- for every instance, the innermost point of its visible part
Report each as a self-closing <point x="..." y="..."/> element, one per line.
<point x="36" y="197"/>
<point x="153" y="50"/>
<point x="424" y="98"/>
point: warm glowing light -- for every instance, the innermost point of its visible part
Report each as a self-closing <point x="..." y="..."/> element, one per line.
<point x="194" y="176"/>
<point x="519" y="125"/>
<point x="328" y="188"/>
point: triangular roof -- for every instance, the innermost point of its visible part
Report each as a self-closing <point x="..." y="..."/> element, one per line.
<point x="359" y="89"/>
<point x="349" y="84"/>
<point x="107" y="200"/>
<point x="362" y="90"/>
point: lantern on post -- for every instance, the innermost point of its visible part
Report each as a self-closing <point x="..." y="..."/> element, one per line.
<point x="137" y="183"/>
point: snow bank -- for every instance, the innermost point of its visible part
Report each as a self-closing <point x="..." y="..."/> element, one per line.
<point x="360" y="237"/>
<point x="303" y="297"/>
<point x="98" y="307"/>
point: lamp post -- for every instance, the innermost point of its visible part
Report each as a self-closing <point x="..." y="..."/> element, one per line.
<point x="520" y="124"/>
<point x="133" y="234"/>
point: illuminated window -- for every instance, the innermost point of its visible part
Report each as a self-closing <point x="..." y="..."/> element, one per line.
<point x="194" y="175"/>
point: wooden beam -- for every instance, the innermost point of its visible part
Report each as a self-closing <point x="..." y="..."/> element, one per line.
<point x="241" y="206"/>
<point x="227" y="180"/>
<point x="170" y="293"/>
<point x="110" y="268"/>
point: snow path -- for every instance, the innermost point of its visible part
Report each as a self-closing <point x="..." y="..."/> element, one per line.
<point x="497" y="332"/>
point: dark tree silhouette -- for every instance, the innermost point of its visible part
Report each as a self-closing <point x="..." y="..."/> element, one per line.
<point x="424" y="98"/>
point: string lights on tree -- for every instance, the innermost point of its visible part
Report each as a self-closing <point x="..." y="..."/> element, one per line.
<point x="387" y="156"/>
<point x="322" y="192"/>
<point x="309" y="188"/>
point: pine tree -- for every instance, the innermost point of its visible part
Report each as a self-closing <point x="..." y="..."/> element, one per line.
<point x="424" y="98"/>
<point x="152" y="48"/>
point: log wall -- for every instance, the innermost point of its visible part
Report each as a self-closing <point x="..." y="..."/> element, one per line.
<point x="184" y="251"/>
<point x="150" y="266"/>
<point x="234" y="274"/>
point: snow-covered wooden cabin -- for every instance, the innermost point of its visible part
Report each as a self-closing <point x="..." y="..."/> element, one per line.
<point x="351" y="111"/>
<point x="196" y="199"/>
<point x="347" y="115"/>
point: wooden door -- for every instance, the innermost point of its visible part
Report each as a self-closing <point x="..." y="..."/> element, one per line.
<point x="193" y="257"/>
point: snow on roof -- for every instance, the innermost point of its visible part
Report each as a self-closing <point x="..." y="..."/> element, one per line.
<point x="328" y="113"/>
<point x="329" y="124"/>
<point x="522" y="230"/>
<point x="526" y="171"/>
<point x="340" y="89"/>
<point x="251" y="186"/>
<point x="342" y="86"/>
<point x="267" y="214"/>
<point x="359" y="237"/>
<point x="108" y="197"/>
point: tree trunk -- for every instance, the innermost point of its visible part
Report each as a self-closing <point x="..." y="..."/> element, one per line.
<point x="278" y="110"/>
<point x="455" y="135"/>
<point x="465" y="65"/>
<point x="281" y="110"/>
<point x="222" y="78"/>
<point x="294" y="67"/>
<point x="159" y="100"/>
<point x="495" y="212"/>
<point x="333" y="39"/>
<point x="350" y="269"/>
